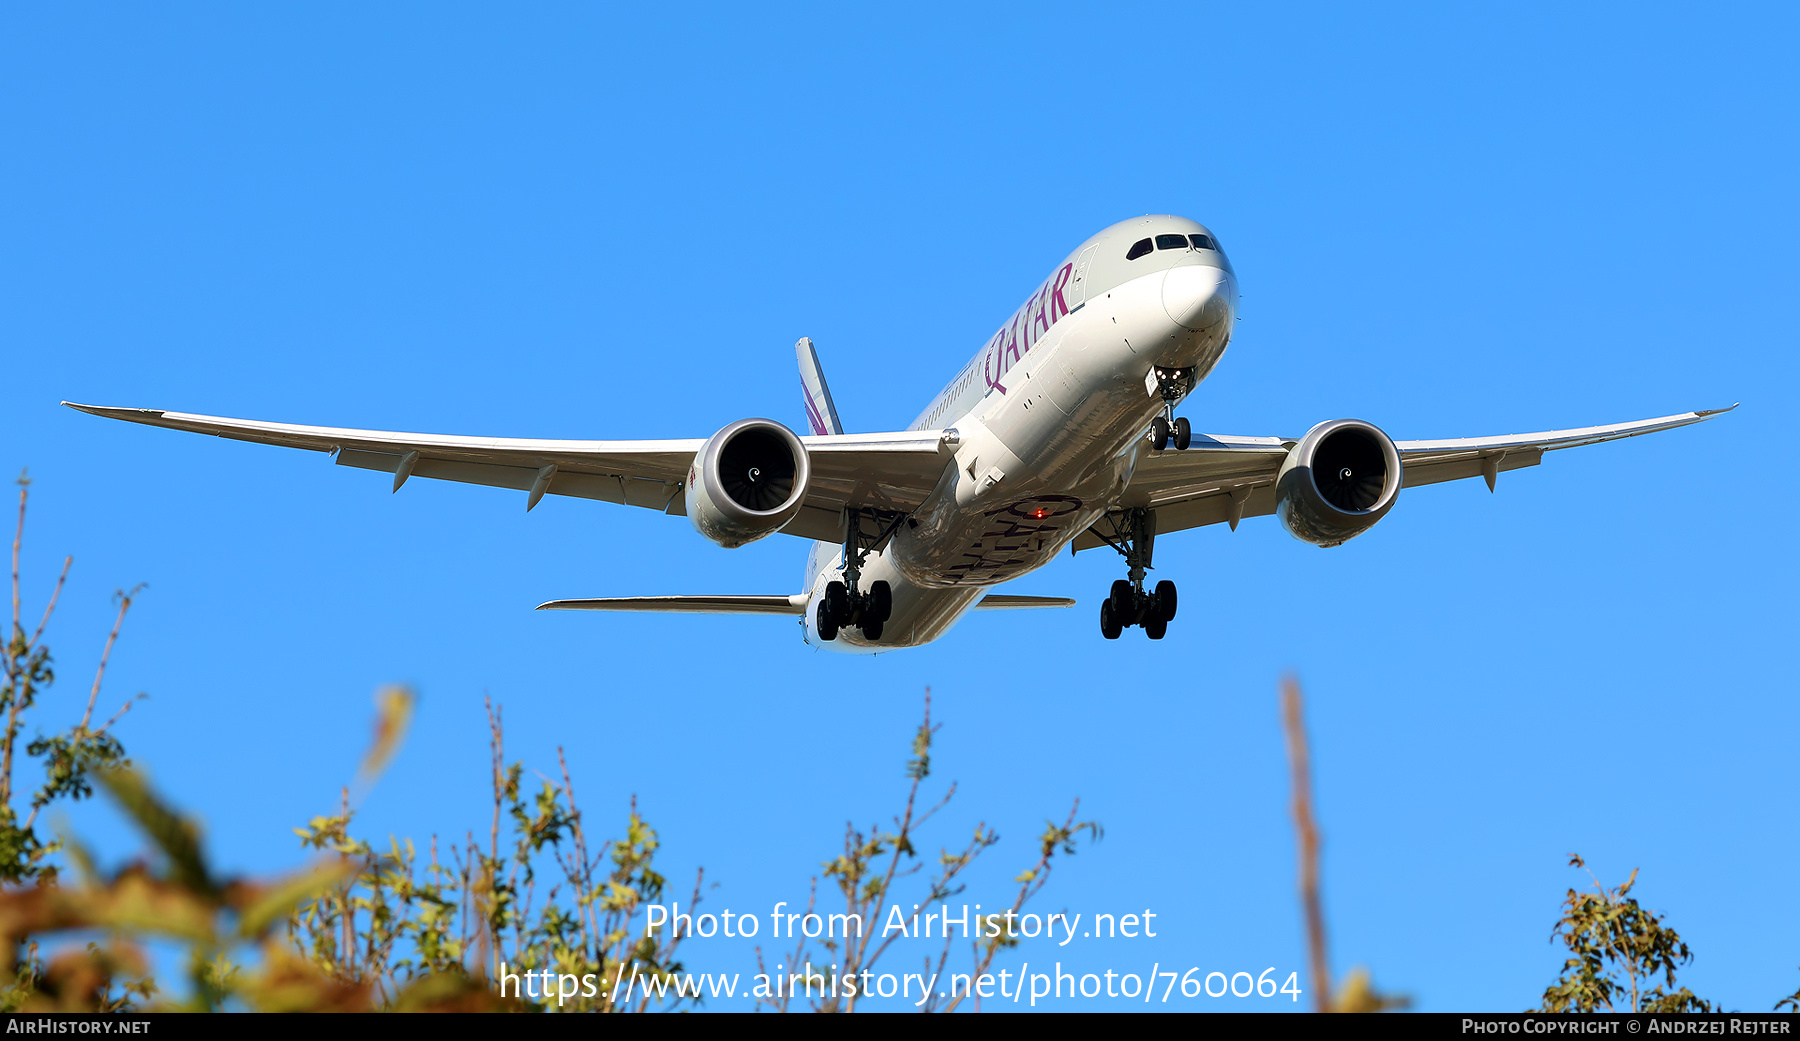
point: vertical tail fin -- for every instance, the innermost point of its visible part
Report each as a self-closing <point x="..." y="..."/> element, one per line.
<point x="821" y="414"/>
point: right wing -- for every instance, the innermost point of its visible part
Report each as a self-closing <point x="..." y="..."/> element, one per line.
<point x="891" y="471"/>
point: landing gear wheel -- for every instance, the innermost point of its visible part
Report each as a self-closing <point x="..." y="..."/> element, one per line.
<point x="871" y="631"/>
<point x="1109" y="625"/>
<point x="1184" y="434"/>
<point x="828" y="628"/>
<point x="837" y="604"/>
<point x="1123" y="603"/>
<point x="881" y="603"/>
<point x="1165" y="601"/>
<point x="1159" y="433"/>
<point x="1128" y="603"/>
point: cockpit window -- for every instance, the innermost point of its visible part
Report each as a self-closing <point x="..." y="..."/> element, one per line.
<point x="1171" y="242"/>
<point x="1202" y="242"/>
<point x="1138" y="249"/>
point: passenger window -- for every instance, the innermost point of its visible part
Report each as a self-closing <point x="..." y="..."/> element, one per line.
<point x="1138" y="249"/>
<point x="1171" y="242"/>
<point x="1202" y="242"/>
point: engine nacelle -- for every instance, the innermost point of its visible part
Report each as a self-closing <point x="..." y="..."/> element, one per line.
<point x="1341" y="478"/>
<point x="747" y="481"/>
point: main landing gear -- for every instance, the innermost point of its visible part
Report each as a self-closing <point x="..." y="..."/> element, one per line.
<point x="845" y="604"/>
<point x="1172" y="384"/>
<point x="1134" y="536"/>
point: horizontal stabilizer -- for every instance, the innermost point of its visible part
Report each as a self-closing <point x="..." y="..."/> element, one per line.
<point x="692" y="604"/>
<point x="790" y="605"/>
<point x="1003" y="602"/>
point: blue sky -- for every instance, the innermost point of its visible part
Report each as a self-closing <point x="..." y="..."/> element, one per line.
<point x="593" y="222"/>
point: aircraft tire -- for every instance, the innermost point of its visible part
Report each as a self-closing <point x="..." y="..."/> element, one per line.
<point x="1165" y="600"/>
<point x="828" y="628"/>
<point x="1122" y="601"/>
<point x="1159" y="433"/>
<point x="881" y="601"/>
<point x="1184" y="433"/>
<point x="871" y="631"/>
<point x="1156" y="629"/>
<point x="1109" y="625"/>
<point x="837" y="604"/>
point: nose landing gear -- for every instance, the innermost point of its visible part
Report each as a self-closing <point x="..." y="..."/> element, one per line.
<point x="1162" y="431"/>
<point x="1134" y="537"/>
<point x="1173" y="385"/>
<point x="844" y="604"/>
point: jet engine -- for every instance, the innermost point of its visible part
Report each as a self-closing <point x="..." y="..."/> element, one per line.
<point x="1341" y="478"/>
<point x="748" y="480"/>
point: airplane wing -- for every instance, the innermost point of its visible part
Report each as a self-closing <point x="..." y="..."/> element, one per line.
<point x="1225" y="479"/>
<point x="890" y="471"/>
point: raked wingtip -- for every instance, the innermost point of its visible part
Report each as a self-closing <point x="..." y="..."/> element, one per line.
<point x="112" y="411"/>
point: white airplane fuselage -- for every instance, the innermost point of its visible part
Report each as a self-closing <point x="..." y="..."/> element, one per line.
<point x="1051" y="416"/>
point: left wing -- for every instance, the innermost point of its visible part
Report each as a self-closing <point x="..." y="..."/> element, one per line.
<point x="1225" y="479"/>
<point x="892" y="471"/>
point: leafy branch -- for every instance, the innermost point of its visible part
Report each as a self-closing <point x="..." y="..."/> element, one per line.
<point x="872" y="861"/>
<point x="1622" y="957"/>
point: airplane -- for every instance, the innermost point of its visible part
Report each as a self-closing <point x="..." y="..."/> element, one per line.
<point x="1061" y="431"/>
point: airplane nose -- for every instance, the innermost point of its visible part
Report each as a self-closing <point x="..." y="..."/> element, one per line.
<point x="1197" y="297"/>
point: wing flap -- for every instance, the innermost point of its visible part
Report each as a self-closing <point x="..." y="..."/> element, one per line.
<point x="1212" y="507"/>
<point x="892" y="471"/>
<point x="616" y="488"/>
<point x="1177" y="476"/>
<point x="816" y="523"/>
<point x="1429" y="471"/>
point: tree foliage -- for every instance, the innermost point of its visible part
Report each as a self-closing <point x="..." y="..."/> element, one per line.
<point x="874" y="859"/>
<point x="1622" y="956"/>
<point x="361" y="928"/>
<point x="372" y="926"/>
<point x="377" y="926"/>
<point x="68" y="756"/>
<point x="535" y="894"/>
